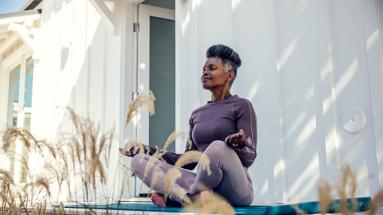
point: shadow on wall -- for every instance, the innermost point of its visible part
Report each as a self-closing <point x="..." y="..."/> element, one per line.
<point x="313" y="142"/>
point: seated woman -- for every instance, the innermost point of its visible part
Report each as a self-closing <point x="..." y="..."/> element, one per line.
<point x="224" y="130"/>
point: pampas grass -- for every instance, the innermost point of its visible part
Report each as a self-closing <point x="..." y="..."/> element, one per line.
<point x="297" y="209"/>
<point x="174" y="173"/>
<point x="151" y="162"/>
<point x="172" y="137"/>
<point x="12" y="134"/>
<point x="6" y="177"/>
<point x="346" y="189"/>
<point x="44" y="183"/>
<point x="143" y="99"/>
<point x="376" y="202"/>
<point x="214" y="204"/>
<point x="194" y="157"/>
<point x="82" y="154"/>
<point x="170" y="180"/>
<point x="324" y="196"/>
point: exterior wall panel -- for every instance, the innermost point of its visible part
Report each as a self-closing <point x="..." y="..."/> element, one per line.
<point x="312" y="71"/>
<point x="83" y="63"/>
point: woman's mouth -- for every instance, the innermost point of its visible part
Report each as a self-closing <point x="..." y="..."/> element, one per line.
<point x="204" y="79"/>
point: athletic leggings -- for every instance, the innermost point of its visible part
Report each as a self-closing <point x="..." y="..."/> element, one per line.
<point x="228" y="177"/>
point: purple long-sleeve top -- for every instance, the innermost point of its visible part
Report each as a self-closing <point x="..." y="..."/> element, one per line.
<point x="218" y="120"/>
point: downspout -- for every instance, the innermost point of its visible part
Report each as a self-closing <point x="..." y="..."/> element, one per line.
<point x="136" y="32"/>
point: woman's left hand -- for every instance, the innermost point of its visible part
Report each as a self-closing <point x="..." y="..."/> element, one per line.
<point x="237" y="139"/>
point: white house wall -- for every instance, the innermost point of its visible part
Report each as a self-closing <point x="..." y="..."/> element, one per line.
<point x="84" y="63"/>
<point x="308" y="67"/>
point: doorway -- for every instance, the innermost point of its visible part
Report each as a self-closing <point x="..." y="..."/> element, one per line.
<point x="156" y="71"/>
<point x="156" y="60"/>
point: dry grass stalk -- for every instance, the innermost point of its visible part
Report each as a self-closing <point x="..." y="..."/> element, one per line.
<point x="174" y="173"/>
<point x="106" y="144"/>
<point x="44" y="183"/>
<point x="125" y="179"/>
<point x="171" y="187"/>
<point x="324" y="196"/>
<point x="40" y="208"/>
<point x="157" y="173"/>
<point x="194" y="157"/>
<point x="346" y="188"/>
<point x="170" y="180"/>
<point x="151" y="162"/>
<point x="6" y="177"/>
<point x="376" y="203"/>
<point x="86" y="148"/>
<point x="60" y="210"/>
<point x="172" y="137"/>
<point x="13" y="133"/>
<point x="51" y="148"/>
<point x="144" y="99"/>
<point x="83" y="149"/>
<point x="214" y="204"/>
<point x="9" y="195"/>
<point x="297" y="209"/>
<point x="349" y="180"/>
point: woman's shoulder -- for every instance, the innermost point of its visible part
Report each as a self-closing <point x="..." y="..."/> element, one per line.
<point x="242" y="102"/>
<point x="236" y="101"/>
<point x="195" y="111"/>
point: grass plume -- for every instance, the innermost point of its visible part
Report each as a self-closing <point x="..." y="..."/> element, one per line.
<point x="376" y="203"/>
<point x="324" y="196"/>
<point x="172" y="137"/>
<point x="214" y="204"/>
<point x="193" y="157"/>
<point x="143" y="99"/>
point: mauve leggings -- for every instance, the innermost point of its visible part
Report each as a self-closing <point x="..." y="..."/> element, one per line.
<point x="228" y="177"/>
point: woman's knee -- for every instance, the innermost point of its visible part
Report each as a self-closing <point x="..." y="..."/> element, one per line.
<point x="218" y="148"/>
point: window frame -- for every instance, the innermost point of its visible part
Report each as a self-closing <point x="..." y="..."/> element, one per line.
<point x="18" y="58"/>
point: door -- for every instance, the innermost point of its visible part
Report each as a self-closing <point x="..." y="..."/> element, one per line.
<point x="156" y="71"/>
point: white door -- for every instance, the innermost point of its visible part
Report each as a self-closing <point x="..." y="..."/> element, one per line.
<point x="156" y="71"/>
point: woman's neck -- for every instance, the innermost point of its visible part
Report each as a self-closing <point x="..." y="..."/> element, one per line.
<point x="219" y="96"/>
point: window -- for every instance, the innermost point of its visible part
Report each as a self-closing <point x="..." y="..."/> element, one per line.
<point x="13" y="95"/>
<point x="19" y="112"/>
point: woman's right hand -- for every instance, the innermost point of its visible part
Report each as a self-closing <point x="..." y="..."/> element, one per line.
<point x="132" y="150"/>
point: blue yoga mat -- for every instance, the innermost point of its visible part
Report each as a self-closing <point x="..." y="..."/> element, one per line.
<point x="307" y="207"/>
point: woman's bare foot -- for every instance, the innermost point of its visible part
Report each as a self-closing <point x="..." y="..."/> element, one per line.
<point x="158" y="199"/>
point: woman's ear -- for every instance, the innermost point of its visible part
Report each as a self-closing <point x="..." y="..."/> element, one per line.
<point x="231" y="76"/>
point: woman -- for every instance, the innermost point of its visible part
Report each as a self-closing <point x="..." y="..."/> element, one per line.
<point x="224" y="130"/>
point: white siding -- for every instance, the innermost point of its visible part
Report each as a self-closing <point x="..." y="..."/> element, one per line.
<point x="84" y="63"/>
<point x="306" y="65"/>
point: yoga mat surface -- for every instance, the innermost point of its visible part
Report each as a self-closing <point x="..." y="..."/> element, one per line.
<point x="306" y="207"/>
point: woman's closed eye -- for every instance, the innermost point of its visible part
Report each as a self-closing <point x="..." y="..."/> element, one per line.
<point x="209" y="68"/>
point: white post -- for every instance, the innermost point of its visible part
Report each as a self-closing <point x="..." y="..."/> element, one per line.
<point x="20" y="122"/>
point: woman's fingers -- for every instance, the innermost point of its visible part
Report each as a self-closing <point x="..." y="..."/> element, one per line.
<point x="236" y="138"/>
<point x="230" y="140"/>
<point x="123" y="151"/>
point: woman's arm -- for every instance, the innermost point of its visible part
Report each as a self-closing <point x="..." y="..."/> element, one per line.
<point x="244" y="142"/>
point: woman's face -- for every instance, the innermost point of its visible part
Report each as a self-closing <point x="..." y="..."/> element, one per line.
<point x="214" y="74"/>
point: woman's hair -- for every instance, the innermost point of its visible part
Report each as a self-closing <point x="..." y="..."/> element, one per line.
<point x="229" y="57"/>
